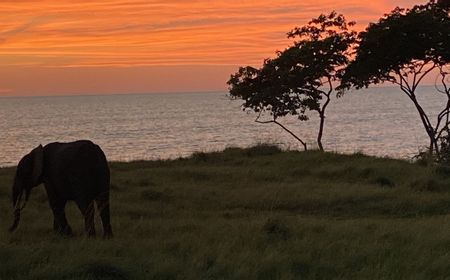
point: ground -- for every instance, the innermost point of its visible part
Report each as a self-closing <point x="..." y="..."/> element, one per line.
<point x="257" y="213"/>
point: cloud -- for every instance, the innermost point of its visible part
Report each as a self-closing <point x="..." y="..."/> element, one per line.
<point x="154" y="32"/>
<point x="20" y="29"/>
<point x="5" y="91"/>
<point x="100" y="46"/>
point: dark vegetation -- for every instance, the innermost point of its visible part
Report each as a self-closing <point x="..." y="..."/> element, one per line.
<point x="256" y="213"/>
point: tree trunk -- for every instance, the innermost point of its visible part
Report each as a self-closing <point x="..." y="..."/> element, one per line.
<point x="433" y="148"/>
<point x="320" y="134"/>
<point x="322" y="119"/>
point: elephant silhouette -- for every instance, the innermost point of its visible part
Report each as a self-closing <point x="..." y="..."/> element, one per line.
<point x="76" y="171"/>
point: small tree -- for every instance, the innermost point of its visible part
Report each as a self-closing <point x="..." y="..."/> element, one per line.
<point x="402" y="48"/>
<point x="301" y="78"/>
<point x="266" y="89"/>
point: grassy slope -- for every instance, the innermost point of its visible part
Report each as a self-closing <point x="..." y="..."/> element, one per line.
<point x="239" y="214"/>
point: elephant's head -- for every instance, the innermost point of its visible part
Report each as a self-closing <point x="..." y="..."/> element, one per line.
<point x="28" y="175"/>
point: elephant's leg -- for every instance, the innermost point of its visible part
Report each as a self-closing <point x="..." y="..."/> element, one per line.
<point x="60" y="224"/>
<point x="103" y="208"/>
<point x="88" y="211"/>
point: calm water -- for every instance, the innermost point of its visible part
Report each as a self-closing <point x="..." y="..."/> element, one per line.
<point x="379" y="121"/>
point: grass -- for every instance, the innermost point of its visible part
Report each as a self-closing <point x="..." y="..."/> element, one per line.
<point x="256" y="213"/>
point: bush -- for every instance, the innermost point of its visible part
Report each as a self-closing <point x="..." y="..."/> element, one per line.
<point x="263" y="150"/>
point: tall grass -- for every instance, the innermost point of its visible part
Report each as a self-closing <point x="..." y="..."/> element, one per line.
<point x="257" y="213"/>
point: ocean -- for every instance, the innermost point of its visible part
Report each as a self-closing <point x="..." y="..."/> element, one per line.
<point x="377" y="121"/>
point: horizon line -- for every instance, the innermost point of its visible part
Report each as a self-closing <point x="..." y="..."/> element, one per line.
<point x="114" y="93"/>
<point x="164" y="92"/>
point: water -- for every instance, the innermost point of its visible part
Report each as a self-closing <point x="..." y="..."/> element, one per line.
<point x="378" y="121"/>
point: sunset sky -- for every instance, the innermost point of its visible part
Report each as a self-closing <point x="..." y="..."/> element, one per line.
<point x="97" y="47"/>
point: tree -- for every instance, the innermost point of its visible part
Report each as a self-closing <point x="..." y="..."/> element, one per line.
<point x="301" y="78"/>
<point x="266" y="89"/>
<point x="402" y="48"/>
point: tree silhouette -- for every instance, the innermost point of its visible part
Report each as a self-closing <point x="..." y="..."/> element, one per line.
<point x="402" y="48"/>
<point x="301" y="78"/>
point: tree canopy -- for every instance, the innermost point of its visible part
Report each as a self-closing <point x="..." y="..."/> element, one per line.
<point x="400" y="43"/>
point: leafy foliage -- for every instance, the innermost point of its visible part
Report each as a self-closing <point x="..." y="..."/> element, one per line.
<point x="400" y="43"/>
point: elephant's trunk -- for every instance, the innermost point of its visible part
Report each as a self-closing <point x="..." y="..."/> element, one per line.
<point x="16" y="220"/>
<point x="17" y="199"/>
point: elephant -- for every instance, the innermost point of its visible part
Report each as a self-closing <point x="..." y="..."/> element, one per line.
<point x="75" y="171"/>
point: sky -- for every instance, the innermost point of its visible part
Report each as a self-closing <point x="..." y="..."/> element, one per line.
<point x="68" y="47"/>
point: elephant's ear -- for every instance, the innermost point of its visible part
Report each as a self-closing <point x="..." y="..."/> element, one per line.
<point x="38" y="163"/>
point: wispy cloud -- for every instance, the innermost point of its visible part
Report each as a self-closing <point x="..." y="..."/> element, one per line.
<point x="101" y="46"/>
<point x="154" y="32"/>
<point x="4" y="91"/>
<point x="20" y="28"/>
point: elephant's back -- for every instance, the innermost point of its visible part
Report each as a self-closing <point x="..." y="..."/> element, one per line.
<point x="76" y="165"/>
<point x="81" y="151"/>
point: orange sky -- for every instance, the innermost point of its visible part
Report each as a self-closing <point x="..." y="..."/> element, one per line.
<point x="112" y="46"/>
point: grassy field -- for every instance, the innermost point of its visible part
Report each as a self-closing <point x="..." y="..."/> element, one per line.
<point x="255" y="213"/>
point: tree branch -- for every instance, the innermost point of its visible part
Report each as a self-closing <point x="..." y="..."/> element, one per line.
<point x="418" y="72"/>
<point x="422" y="76"/>
<point x="404" y="80"/>
<point x="283" y="127"/>
<point x="408" y="90"/>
